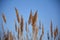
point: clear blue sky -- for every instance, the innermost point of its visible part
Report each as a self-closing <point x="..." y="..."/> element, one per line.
<point x="47" y="10"/>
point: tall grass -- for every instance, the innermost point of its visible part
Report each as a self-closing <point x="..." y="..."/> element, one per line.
<point x="4" y="18"/>
<point x="19" y="28"/>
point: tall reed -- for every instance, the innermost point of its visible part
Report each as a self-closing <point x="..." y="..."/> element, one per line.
<point x="4" y="17"/>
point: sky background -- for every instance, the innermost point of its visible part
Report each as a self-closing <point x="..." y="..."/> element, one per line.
<point x="47" y="10"/>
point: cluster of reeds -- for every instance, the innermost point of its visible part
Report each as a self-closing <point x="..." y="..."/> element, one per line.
<point x="54" y="34"/>
<point x="6" y="35"/>
<point x="19" y="28"/>
<point x="42" y="32"/>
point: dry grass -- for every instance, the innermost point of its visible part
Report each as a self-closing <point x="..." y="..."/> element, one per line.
<point x="22" y="24"/>
<point x="42" y="32"/>
<point x="34" y="18"/>
<point x="30" y="17"/>
<point x="10" y="36"/>
<point x="4" y="18"/>
<point x="18" y="18"/>
<point x="55" y="33"/>
<point x="51" y="29"/>
<point x="19" y="28"/>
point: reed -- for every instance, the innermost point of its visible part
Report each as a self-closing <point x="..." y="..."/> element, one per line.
<point x="17" y="15"/>
<point x="55" y="33"/>
<point x="51" y="29"/>
<point x="22" y="24"/>
<point x="30" y="17"/>
<point x="4" y="17"/>
<point x="42" y="32"/>
<point x="19" y="28"/>
<point x="10" y="36"/>
<point x="34" y="18"/>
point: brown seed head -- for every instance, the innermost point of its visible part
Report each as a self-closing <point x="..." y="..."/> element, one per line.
<point x="18" y="18"/>
<point x="4" y="18"/>
<point x="30" y="17"/>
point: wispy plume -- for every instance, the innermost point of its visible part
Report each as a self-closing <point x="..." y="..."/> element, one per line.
<point x="55" y="32"/>
<point x="34" y="18"/>
<point x="4" y="18"/>
<point x="30" y="17"/>
<point x="18" y="17"/>
<point x="22" y="24"/>
<point x="19" y="28"/>
<point x="51" y="29"/>
<point x="16" y="27"/>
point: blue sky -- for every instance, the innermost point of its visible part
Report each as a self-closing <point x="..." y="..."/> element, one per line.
<point x="47" y="10"/>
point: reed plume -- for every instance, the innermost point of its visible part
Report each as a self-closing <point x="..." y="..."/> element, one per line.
<point x="22" y="24"/>
<point x="55" y="32"/>
<point x="4" y="18"/>
<point x="18" y="17"/>
<point x="30" y="17"/>
<point x="34" y="18"/>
